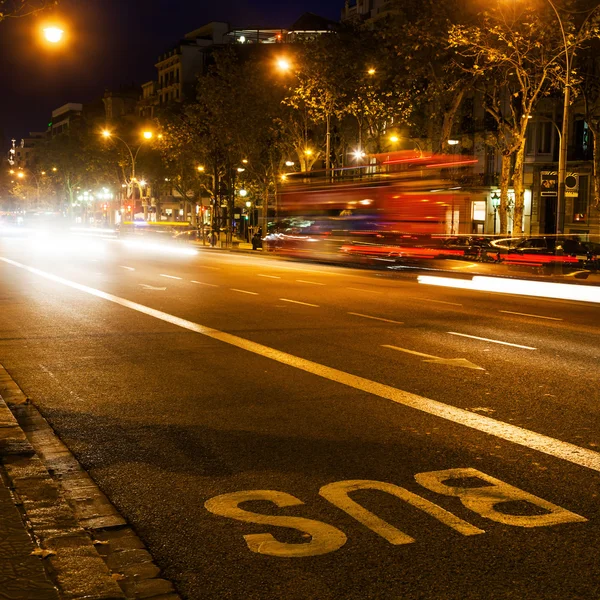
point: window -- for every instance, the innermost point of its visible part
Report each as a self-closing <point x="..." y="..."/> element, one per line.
<point x="479" y="210"/>
<point x="544" y="137"/>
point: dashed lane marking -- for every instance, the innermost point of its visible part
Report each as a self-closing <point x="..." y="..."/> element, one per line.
<point x="127" y="268"/>
<point x="474" y="337"/>
<point x="203" y="283"/>
<point x="243" y="291"/>
<point x="505" y="431"/>
<point x="269" y="276"/>
<point x="376" y="318"/>
<point x="363" y="290"/>
<point x="434" y="301"/>
<point x="170" y="276"/>
<point x="298" y="302"/>
<point x="310" y="282"/>
<point x="510" y="312"/>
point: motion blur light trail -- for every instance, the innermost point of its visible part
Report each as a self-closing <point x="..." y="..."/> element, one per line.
<point x="151" y="247"/>
<point x="538" y="289"/>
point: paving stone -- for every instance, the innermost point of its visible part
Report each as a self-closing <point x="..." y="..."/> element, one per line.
<point x="118" y="539"/>
<point x="126" y="558"/>
<point x="80" y="571"/>
<point x="22" y="467"/>
<point x="22" y="576"/>
<point x="13" y="441"/>
<point x="146" y="570"/>
<point x="147" y="588"/>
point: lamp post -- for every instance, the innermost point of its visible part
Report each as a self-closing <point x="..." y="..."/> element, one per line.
<point x="564" y="138"/>
<point x="147" y="136"/>
<point x="495" y="197"/>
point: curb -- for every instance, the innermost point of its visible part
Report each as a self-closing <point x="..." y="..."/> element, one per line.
<point x="89" y="550"/>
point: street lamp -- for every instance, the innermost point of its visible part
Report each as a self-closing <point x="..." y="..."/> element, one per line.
<point x="146" y="135"/>
<point x="53" y="34"/>
<point x="495" y="198"/>
<point x="564" y="139"/>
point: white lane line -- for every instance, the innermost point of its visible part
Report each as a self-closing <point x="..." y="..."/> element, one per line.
<point x="128" y="268"/>
<point x="376" y="318"/>
<point x="510" y="312"/>
<point x="298" y="302"/>
<point x="202" y="283"/>
<point x="169" y="276"/>
<point x="363" y="290"/>
<point x="243" y="291"/>
<point x="436" y="301"/>
<point x="474" y="337"/>
<point x="311" y="282"/>
<point x="211" y="268"/>
<point x="269" y="276"/>
<point x="511" y="433"/>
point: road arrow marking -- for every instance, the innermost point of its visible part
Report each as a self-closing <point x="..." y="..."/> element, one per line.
<point x="151" y="287"/>
<point x="451" y="362"/>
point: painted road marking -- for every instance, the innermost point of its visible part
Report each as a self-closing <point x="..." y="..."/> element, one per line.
<point x="128" y="268"/>
<point x="376" y="318"/>
<point x="505" y="431"/>
<point x="311" y="282"/>
<point x="510" y="312"/>
<point x="211" y="268"/>
<point x="324" y="538"/>
<point x="202" y="283"/>
<point x="474" y="337"/>
<point x="243" y="291"/>
<point x="170" y="276"/>
<point x="480" y="493"/>
<point x="269" y="276"/>
<point x="298" y="302"/>
<point x="363" y="290"/>
<point x="151" y="287"/>
<point x="435" y="301"/>
<point x="451" y="362"/>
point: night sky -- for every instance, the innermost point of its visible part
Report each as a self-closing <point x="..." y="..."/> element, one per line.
<point x="112" y="43"/>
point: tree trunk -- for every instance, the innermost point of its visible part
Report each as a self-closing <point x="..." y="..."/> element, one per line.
<point x="596" y="163"/>
<point x="519" y="207"/>
<point x="449" y="116"/>
<point x="504" y="185"/>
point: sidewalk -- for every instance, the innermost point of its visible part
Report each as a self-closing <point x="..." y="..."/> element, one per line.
<point x="22" y="572"/>
<point x="60" y="537"/>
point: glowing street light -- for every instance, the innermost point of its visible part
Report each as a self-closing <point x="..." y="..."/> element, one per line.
<point x="283" y="64"/>
<point x="371" y="71"/>
<point x="20" y="174"/>
<point x="394" y="139"/>
<point x="200" y="168"/>
<point x="243" y="193"/>
<point x="54" y="34"/>
<point x="147" y="135"/>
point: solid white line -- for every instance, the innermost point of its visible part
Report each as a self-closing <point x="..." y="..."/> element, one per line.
<point x="363" y="290"/>
<point x="128" y="268"/>
<point x="311" y="282"/>
<point x="376" y="318"/>
<point x="202" y="283"/>
<point x="493" y="341"/>
<point x="298" y="302"/>
<point x="269" y="276"/>
<point x="510" y="312"/>
<point x="243" y="291"/>
<point x="169" y="276"/>
<point x="511" y="433"/>
<point x="436" y="301"/>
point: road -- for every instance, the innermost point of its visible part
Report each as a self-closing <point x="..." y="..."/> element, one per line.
<point x="276" y="429"/>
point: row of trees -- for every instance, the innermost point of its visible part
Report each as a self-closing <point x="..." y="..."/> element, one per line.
<point x="324" y="102"/>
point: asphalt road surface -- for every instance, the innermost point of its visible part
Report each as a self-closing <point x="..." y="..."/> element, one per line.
<point x="276" y="429"/>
